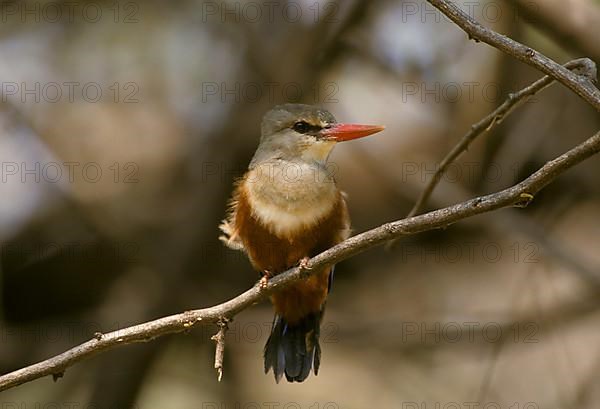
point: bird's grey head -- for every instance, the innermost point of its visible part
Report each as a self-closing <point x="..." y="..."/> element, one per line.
<point x="295" y="132"/>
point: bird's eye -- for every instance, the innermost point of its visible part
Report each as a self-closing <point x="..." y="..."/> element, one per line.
<point x="301" y="127"/>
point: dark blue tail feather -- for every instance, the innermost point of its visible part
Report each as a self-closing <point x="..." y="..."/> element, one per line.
<point x="294" y="349"/>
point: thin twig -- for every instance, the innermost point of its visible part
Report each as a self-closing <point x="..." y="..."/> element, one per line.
<point x="583" y="65"/>
<point x="582" y="86"/>
<point x="518" y="195"/>
<point x="219" y="339"/>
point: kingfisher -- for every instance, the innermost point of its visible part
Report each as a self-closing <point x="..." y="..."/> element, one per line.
<point x="284" y="210"/>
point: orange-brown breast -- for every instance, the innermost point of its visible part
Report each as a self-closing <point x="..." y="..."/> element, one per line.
<point x="268" y="251"/>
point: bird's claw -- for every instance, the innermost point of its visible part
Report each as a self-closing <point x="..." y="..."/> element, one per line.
<point x="264" y="280"/>
<point x="303" y="264"/>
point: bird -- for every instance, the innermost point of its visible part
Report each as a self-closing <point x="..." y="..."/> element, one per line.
<point x="284" y="210"/>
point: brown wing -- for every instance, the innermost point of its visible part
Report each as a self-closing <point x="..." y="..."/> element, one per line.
<point x="230" y="236"/>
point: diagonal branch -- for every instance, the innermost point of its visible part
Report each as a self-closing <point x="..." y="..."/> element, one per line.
<point x="518" y="195"/>
<point x="581" y="85"/>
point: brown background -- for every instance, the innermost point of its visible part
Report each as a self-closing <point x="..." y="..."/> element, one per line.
<point x="499" y="310"/>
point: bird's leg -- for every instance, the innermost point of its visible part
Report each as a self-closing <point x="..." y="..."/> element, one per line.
<point x="303" y="263"/>
<point x="266" y="274"/>
<point x="262" y="283"/>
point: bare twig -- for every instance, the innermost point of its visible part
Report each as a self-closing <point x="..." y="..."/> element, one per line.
<point x="582" y="86"/>
<point x="584" y="66"/>
<point x="519" y="195"/>
<point x="219" y="339"/>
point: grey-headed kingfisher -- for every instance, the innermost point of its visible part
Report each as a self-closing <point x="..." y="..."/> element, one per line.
<point x="285" y="209"/>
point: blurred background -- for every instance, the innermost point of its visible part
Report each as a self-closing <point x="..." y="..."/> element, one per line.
<point x="123" y="125"/>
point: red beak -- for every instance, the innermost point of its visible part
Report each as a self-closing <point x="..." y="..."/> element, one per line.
<point x="347" y="132"/>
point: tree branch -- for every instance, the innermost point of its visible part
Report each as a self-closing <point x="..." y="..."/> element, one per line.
<point x="582" y="86"/>
<point x="582" y="66"/>
<point x="519" y="195"/>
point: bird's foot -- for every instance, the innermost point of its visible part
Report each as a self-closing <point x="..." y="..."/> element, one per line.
<point x="303" y="263"/>
<point x="262" y="283"/>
